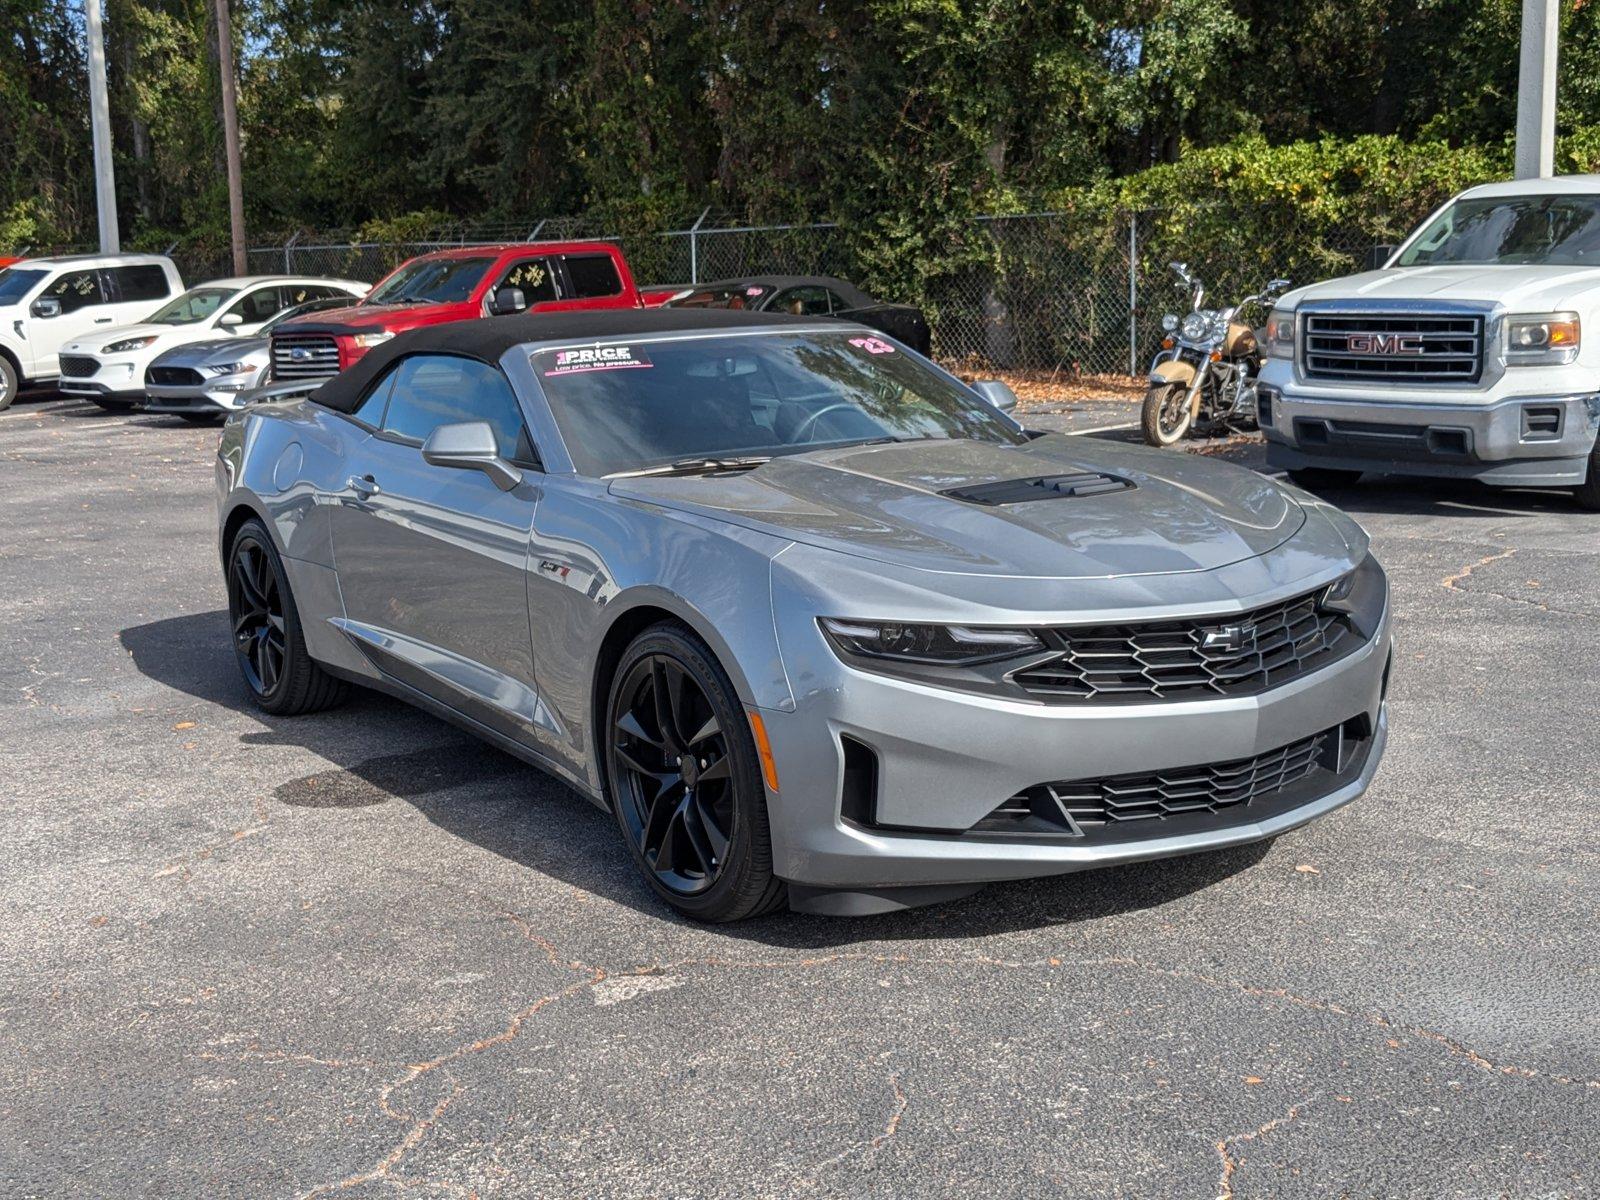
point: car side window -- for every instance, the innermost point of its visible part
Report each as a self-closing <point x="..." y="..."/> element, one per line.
<point x="593" y="275"/>
<point x="370" y="411"/>
<point x="259" y="305"/>
<point x="802" y="302"/>
<point x="147" y="282"/>
<point x="835" y="302"/>
<point x="431" y="390"/>
<point x="533" y="276"/>
<point x="77" y="289"/>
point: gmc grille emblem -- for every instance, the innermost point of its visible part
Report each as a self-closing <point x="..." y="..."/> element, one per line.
<point x="1382" y="343"/>
<point x="1235" y="639"/>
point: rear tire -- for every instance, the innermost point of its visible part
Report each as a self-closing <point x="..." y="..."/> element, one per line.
<point x="685" y="781"/>
<point x="1165" y="418"/>
<point x="1587" y="493"/>
<point x="267" y="638"/>
<point x="10" y="383"/>
<point x="1316" y="478"/>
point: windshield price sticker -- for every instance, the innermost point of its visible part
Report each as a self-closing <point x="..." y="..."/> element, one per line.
<point x="872" y="345"/>
<point x="592" y="358"/>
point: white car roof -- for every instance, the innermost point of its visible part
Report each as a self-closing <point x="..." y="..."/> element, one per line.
<point x="1554" y="185"/>
<point x="95" y="260"/>
<point x="248" y="281"/>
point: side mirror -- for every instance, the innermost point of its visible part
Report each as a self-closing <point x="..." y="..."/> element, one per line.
<point x="997" y="393"/>
<point x="229" y="320"/>
<point x="470" y="446"/>
<point x="506" y="301"/>
<point x="1377" y="257"/>
<point x="1277" y="285"/>
<point x="46" y="306"/>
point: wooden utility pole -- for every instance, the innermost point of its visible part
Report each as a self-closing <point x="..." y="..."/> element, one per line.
<point x="230" y="134"/>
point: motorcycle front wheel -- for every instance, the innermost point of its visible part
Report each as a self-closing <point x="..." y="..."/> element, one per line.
<point x="1166" y="416"/>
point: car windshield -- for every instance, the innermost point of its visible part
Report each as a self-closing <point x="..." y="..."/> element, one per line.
<point x="648" y="404"/>
<point x="1526" y="230"/>
<point x="737" y="295"/>
<point x="16" y="283"/>
<point x="193" y="306"/>
<point x="431" y="281"/>
<point x="301" y="310"/>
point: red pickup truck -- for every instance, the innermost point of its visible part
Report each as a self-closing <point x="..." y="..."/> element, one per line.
<point x="455" y="285"/>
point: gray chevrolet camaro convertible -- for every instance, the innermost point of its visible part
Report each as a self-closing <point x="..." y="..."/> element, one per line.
<point x="814" y="620"/>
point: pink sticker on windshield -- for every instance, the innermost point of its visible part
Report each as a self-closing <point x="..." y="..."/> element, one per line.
<point x="754" y="291"/>
<point x="872" y="345"/>
<point x="592" y="358"/>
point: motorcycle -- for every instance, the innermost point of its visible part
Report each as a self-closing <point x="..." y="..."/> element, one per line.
<point x="1203" y="382"/>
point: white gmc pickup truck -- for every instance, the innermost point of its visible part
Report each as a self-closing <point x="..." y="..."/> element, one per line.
<point x="1463" y="355"/>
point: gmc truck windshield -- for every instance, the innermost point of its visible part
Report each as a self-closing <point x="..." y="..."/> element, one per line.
<point x="1511" y="230"/>
<point x="432" y="281"/>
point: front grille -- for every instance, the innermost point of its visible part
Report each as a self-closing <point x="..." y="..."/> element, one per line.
<point x="75" y="367"/>
<point x="1186" y="799"/>
<point x="1171" y="660"/>
<point x="1392" y="348"/>
<point x="304" y="356"/>
<point x="173" y="376"/>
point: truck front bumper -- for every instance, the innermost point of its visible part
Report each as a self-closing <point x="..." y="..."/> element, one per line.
<point x="1521" y="441"/>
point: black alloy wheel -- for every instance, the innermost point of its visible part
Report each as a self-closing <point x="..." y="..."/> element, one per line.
<point x="267" y="639"/>
<point x="685" y="781"/>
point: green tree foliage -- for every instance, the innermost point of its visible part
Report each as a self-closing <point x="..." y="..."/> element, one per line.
<point x="900" y="118"/>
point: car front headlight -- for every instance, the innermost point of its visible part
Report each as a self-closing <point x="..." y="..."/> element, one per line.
<point x="939" y="645"/>
<point x="368" y="340"/>
<point x="233" y="368"/>
<point x="1280" y="333"/>
<point x="127" y="344"/>
<point x="1542" y="339"/>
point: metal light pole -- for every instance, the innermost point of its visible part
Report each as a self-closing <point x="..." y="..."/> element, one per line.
<point x="230" y="134"/>
<point x="105" y="187"/>
<point x="1536" y="89"/>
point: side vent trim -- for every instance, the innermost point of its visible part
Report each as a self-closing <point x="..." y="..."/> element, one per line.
<point x="1041" y="487"/>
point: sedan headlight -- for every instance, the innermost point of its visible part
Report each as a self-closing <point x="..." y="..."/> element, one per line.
<point x="941" y="645"/>
<point x="233" y="368"/>
<point x="1196" y="327"/>
<point x="368" y="340"/>
<point x="122" y="347"/>
<point x="1280" y="333"/>
<point x="1542" y="339"/>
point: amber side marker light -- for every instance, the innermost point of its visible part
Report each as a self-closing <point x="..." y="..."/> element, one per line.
<point x="763" y="748"/>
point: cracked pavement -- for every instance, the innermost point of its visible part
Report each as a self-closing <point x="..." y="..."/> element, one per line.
<point x="359" y="954"/>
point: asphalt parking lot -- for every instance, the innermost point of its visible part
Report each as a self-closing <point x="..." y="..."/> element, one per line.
<point x="359" y="953"/>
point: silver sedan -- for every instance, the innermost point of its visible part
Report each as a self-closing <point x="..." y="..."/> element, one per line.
<point x="817" y="622"/>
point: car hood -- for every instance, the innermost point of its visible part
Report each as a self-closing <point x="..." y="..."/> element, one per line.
<point x="213" y="350"/>
<point x="1184" y="513"/>
<point x="1516" y="288"/>
<point x="165" y="335"/>
<point x="359" y="318"/>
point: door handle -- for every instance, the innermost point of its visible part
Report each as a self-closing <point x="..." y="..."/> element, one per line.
<point x="363" y="485"/>
<point x="102" y="320"/>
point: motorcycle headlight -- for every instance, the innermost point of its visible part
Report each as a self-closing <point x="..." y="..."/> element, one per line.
<point x="943" y="645"/>
<point x="122" y="347"/>
<point x="1542" y="339"/>
<point x="1169" y="322"/>
<point x="1196" y="327"/>
<point x="368" y="340"/>
<point x="1280" y="333"/>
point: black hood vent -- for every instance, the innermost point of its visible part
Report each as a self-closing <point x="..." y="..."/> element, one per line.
<point x="1041" y="487"/>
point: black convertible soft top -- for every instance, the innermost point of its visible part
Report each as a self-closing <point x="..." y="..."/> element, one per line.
<point x="843" y="288"/>
<point x="488" y="338"/>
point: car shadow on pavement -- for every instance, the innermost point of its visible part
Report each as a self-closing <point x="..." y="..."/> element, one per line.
<point x="384" y="750"/>
<point x="1417" y="496"/>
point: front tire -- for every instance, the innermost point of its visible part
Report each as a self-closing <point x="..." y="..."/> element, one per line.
<point x="1587" y="493"/>
<point x="267" y="638"/>
<point x="685" y="781"/>
<point x="10" y="382"/>
<point x="1166" y="416"/>
<point x="1314" y="479"/>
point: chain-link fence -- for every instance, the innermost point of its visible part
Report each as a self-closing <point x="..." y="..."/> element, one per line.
<point x="1064" y="293"/>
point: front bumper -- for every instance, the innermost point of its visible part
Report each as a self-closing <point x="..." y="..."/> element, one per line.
<point x="205" y="397"/>
<point x="114" y="380"/>
<point x="1521" y="441"/>
<point x="944" y="760"/>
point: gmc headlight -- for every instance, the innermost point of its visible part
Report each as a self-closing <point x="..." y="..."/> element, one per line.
<point x="122" y="347"/>
<point x="940" y="645"/>
<point x="368" y="340"/>
<point x="1542" y="339"/>
<point x="1280" y="333"/>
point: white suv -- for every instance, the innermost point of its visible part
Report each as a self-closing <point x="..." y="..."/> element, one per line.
<point x="46" y="302"/>
<point x="1474" y="351"/>
<point x="108" y="366"/>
